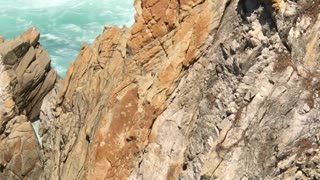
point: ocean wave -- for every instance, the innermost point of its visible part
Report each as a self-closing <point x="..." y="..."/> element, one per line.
<point x="59" y="65"/>
<point x="37" y="4"/>
<point x="64" y="24"/>
<point x="65" y="52"/>
<point x="51" y="37"/>
<point x="23" y="23"/>
<point x="73" y="4"/>
<point x="73" y="28"/>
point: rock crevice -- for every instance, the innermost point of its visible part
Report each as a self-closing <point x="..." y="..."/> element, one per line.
<point x="195" y="89"/>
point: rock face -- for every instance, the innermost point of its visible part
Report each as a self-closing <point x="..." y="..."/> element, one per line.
<point x="195" y="89"/>
<point x="26" y="77"/>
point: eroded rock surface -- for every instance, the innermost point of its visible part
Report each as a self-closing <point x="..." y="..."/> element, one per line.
<point x="195" y="89"/>
<point x="26" y="77"/>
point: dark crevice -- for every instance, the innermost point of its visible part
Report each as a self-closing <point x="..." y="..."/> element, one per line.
<point x="2" y="167"/>
<point x="131" y="138"/>
<point x="224" y="51"/>
<point x="179" y="9"/>
<point x="88" y="138"/>
<point x="267" y="20"/>
<point x="246" y="8"/>
<point x="184" y="166"/>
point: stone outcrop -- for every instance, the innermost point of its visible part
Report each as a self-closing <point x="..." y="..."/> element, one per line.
<point x="26" y="77"/>
<point x="195" y="89"/>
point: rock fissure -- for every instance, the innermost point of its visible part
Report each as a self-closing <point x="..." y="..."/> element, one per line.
<point x="194" y="89"/>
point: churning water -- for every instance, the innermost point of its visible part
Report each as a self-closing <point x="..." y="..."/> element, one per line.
<point x="64" y="24"/>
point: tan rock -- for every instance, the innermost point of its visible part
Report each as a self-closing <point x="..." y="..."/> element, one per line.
<point x="32" y="36"/>
<point x="1" y="39"/>
<point x="140" y="91"/>
<point x="20" y="152"/>
<point x="12" y="50"/>
<point x="26" y="78"/>
<point x="172" y="98"/>
<point x="279" y="5"/>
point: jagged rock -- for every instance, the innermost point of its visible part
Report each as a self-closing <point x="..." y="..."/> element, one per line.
<point x="32" y="36"/>
<point x="12" y="50"/>
<point x="26" y="77"/>
<point x="150" y="90"/>
<point x="150" y="104"/>
<point x="195" y="89"/>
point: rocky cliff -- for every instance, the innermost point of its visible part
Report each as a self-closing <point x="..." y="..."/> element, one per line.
<point x="195" y="89"/>
<point x="26" y="78"/>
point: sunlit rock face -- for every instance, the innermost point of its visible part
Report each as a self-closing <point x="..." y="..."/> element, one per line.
<point x="193" y="90"/>
<point x="26" y="77"/>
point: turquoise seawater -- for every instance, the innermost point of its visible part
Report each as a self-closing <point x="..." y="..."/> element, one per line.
<point x="64" y="24"/>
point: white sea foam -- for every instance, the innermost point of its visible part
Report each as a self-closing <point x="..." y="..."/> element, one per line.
<point x="51" y="37"/>
<point x="73" y="27"/>
<point x="64" y="24"/>
<point x="37" y="4"/>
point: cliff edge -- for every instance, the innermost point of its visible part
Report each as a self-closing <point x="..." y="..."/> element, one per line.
<point x="195" y="89"/>
<point x="26" y="78"/>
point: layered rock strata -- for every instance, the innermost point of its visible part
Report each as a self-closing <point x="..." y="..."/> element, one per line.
<point x="26" y="78"/>
<point x="195" y="89"/>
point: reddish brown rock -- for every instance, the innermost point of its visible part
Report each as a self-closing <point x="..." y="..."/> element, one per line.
<point x="130" y="100"/>
<point x="194" y="89"/>
<point x="131" y="104"/>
